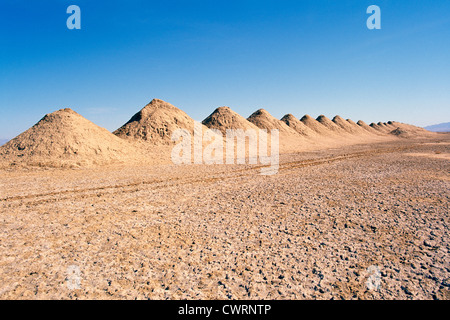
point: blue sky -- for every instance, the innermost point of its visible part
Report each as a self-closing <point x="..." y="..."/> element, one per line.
<point x="301" y="57"/>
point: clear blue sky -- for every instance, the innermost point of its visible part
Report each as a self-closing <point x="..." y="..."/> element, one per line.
<point x="302" y="57"/>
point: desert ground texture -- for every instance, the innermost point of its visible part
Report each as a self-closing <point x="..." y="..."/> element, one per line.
<point x="315" y="230"/>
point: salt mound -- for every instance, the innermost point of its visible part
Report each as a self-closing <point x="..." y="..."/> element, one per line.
<point x="400" y="133"/>
<point x="155" y="123"/>
<point x="345" y="125"/>
<point x="65" y="138"/>
<point x="315" y="125"/>
<point x="390" y="124"/>
<point x="224" y="118"/>
<point x="413" y="130"/>
<point x="379" y="128"/>
<point x="328" y="123"/>
<point x="264" y="120"/>
<point x="298" y="126"/>
<point x="384" y="127"/>
<point x="410" y="127"/>
<point x="400" y="129"/>
<point x="356" y="127"/>
<point x="365" y="126"/>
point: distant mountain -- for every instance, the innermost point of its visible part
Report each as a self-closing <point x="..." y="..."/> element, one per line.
<point x="441" y="127"/>
<point x="3" y="141"/>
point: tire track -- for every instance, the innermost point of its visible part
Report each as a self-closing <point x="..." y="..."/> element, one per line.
<point x="178" y="181"/>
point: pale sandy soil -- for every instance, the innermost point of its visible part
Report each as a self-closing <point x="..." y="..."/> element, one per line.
<point x="227" y="232"/>
<point x="437" y="155"/>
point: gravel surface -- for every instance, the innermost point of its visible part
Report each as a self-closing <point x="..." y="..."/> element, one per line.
<point x="357" y="222"/>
